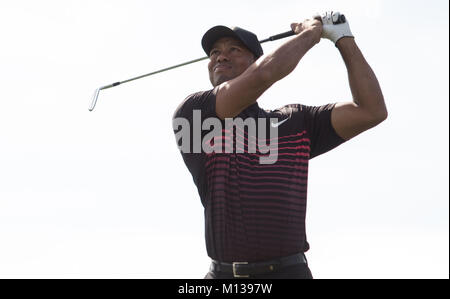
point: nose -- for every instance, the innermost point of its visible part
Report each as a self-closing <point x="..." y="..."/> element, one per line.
<point x="222" y="57"/>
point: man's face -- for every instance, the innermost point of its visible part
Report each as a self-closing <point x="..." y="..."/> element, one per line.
<point x="229" y="58"/>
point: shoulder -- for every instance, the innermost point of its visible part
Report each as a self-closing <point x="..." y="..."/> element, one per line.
<point x="201" y="96"/>
<point x="291" y="110"/>
<point x="195" y="101"/>
<point x="301" y="108"/>
<point x="307" y="116"/>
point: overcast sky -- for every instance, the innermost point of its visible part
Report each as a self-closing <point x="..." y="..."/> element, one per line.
<point x="106" y="193"/>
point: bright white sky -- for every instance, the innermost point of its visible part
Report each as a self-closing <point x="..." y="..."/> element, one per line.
<point x="106" y="193"/>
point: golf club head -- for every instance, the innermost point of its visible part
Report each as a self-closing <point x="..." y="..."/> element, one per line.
<point x="95" y="96"/>
<point x="94" y="99"/>
<point x="340" y="19"/>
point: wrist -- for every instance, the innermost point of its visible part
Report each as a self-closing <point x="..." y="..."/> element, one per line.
<point x="346" y="43"/>
<point x="311" y="36"/>
<point x="350" y="52"/>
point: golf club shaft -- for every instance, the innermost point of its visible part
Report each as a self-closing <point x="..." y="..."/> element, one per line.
<point x="97" y="91"/>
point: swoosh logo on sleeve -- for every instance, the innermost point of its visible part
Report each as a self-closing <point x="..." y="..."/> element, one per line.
<point x="276" y="125"/>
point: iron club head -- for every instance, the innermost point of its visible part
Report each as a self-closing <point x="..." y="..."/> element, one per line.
<point x="94" y="99"/>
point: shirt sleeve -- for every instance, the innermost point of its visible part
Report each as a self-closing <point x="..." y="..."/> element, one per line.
<point x="205" y="103"/>
<point x="317" y="121"/>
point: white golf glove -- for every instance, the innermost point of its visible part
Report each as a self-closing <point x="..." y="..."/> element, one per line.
<point x="335" y="26"/>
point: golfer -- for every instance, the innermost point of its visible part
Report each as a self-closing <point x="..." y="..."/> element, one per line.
<point x="255" y="212"/>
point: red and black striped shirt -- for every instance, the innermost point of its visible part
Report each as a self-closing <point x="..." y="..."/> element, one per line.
<point x="254" y="211"/>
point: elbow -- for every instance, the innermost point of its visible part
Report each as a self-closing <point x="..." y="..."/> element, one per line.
<point x="379" y="116"/>
<point x="383" y="115"/>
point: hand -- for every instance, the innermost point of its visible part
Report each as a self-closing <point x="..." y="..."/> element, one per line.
<point x="314" y="26"/>
<point x="335" y="26"/>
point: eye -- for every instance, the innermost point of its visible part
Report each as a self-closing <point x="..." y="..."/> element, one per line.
<point x="213" y="52"/>
<point x="235" y="49"/>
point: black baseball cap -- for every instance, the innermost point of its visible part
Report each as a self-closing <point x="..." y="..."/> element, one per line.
<point x="249" y="39"/>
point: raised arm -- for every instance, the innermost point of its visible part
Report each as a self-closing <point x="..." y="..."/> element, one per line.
<point x="368" y="108"/>
<point x="235" y="95"/>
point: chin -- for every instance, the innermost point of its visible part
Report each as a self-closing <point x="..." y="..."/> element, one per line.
<point x="221" y="80"/>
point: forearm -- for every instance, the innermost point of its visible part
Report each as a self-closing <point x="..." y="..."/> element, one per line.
<point x="364" y="85"/>
<point x="283" y="60"/>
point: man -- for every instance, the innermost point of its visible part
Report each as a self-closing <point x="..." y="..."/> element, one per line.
<point x="255" y="212"/>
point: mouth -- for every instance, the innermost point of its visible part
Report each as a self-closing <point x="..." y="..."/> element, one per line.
<point x="221" y="67"/>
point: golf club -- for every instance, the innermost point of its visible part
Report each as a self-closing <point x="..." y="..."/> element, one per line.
<point x="97" y="91"/>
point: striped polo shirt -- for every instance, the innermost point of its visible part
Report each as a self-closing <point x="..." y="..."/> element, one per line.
<point x="255" y="211"/>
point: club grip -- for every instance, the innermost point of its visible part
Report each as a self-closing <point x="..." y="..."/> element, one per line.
<point x="279" y="36"/>
<point x="341" y="19"/>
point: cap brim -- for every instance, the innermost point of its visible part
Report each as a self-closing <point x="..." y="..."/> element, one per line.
<point x="214" y="34"/>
